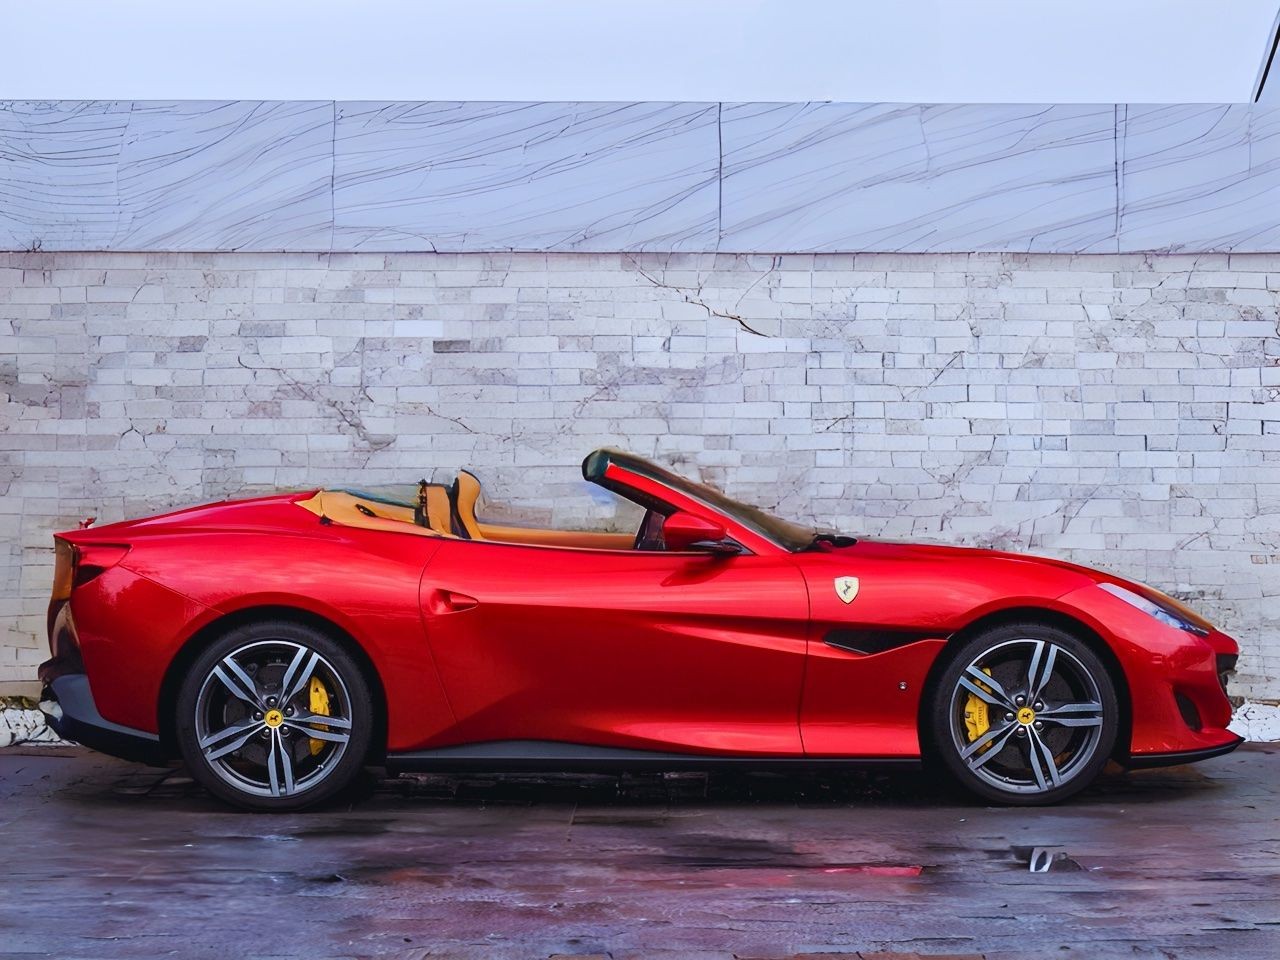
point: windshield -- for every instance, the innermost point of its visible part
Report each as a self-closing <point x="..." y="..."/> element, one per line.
<point x="786" y="534"/>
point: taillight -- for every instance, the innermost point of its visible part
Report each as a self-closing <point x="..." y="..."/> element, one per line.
<point x="74" y="566"/>
<point x="64" y="563"/>
<point x="94" y="559"/>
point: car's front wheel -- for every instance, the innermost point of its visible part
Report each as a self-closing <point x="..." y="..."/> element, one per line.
<point x="274" y="716"/>
<point x="1024" y="713"/>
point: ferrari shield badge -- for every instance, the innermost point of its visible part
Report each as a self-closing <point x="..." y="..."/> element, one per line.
<point x="846" y="588"/>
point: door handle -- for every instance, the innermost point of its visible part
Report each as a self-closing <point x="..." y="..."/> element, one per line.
<point x="447" y="601"/>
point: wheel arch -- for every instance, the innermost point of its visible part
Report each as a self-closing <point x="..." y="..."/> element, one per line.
<point x="1048" y="616"/>
<point x="195" y="644"/>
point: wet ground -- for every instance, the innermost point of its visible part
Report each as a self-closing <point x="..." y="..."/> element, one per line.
<point x="105" y="859"/>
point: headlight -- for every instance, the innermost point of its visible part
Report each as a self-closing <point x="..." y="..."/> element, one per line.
<point x="1167" y="615"/>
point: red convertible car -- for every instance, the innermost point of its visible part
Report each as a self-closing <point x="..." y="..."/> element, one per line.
<point x="277" y="645"/>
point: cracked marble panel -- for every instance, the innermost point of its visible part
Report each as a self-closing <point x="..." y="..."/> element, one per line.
<point x="181" y="175"/>
<point x="526" y="176"/>
<point x="58" y="163"/>
<point x="890" y="177"/>
<point x="1200" y="177"/>
<point x="108" y="175"/>
<point x="226" y="176"/>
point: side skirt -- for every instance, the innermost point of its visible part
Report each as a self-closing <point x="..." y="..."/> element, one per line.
<point x="1146" y="761"/>
<point x="546" y="756"/>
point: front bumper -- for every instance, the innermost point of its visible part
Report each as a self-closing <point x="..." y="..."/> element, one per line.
<point x="77" y="718"/>
<point x="1178" y="707"/>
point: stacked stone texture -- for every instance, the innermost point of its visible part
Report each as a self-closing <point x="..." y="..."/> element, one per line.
<point x="1121" y="411"/>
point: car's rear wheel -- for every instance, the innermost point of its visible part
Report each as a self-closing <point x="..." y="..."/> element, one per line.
<point x="274" y="716"/>
<point x="1024" y="713"/>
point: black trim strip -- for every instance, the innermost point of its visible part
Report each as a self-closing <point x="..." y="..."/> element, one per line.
<point x="1145" y="761"/>
<point x="868" y="642"/>
<point x="546" y="755"/>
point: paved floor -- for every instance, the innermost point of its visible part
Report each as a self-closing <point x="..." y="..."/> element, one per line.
<point x="108" y="860"/>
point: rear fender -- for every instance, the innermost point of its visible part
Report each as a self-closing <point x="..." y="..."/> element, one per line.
<point x="178" y="585"/>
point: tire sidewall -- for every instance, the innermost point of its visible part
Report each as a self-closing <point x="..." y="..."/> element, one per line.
<point x="352" y="760"/>
<point x="940" y="736"/>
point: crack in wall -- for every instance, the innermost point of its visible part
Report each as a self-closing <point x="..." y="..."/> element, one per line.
<point x="694" y="296"/>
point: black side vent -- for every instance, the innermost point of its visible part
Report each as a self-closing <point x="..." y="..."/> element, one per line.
<point x="1190" y="715"/>
<point x="872" y="641"/>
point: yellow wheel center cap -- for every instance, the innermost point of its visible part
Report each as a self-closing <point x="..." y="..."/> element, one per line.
<point x="273" y="718"/>
<point x="1026" y="716"/>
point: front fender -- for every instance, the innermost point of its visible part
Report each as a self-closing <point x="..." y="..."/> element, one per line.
<point x="1161" y="664"/>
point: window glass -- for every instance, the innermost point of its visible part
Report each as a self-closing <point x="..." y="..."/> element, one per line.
<point x="580" y="506"/>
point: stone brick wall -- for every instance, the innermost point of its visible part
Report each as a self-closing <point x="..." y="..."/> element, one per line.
<point x="1116" y="410"/>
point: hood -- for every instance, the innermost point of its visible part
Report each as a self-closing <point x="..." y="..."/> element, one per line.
<point x="900" y="550"/>
<point x="895" y="550"/>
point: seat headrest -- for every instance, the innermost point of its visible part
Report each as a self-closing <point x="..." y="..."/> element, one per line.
<point x="466" y="493"/>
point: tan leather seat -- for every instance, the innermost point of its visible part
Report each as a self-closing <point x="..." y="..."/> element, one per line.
<point x="439" y="513"/>
<point x="466" y="493"/>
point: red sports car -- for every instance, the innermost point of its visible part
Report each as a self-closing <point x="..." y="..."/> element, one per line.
<point x="277" y="645"/>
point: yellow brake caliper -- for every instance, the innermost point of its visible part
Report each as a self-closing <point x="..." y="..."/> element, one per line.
<point x="320" y="704"/>
<point x="976" y="721"/>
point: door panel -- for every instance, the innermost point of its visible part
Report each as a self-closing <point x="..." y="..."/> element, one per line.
<point x="637" y="649"/>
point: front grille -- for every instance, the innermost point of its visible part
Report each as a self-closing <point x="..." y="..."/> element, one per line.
<point x="1226" y="667"/>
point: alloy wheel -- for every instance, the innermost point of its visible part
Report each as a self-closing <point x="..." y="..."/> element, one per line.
<point x="273" y="718"/>
<point x="1026" y="716"/>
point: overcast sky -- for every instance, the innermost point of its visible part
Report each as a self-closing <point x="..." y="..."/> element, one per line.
<point x="858" y="50"/>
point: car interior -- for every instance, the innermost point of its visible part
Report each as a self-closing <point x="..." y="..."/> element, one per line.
<point x="451" y="511"/>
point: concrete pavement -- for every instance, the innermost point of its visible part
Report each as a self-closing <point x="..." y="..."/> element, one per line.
<point x="105" y="859"/>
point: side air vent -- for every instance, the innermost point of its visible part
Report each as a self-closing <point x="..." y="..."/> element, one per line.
<point x="1190" y="715"/>
<point x="868" y="642"/>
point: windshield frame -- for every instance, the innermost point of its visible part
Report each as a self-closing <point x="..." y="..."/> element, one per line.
<point x="783" y="534"/>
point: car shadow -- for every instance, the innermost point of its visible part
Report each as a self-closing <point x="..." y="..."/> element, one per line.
<point x="173" y="788"/>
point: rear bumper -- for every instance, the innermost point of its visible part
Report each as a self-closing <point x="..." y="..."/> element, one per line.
<point x="77" y="718"/>
<point x="1146" y="760"/>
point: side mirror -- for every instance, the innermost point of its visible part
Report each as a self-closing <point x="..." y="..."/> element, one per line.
<point x="684" y="531"/>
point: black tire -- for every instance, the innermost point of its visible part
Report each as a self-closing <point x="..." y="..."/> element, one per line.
<point x="264" y="750"/>
<point x="1044" y="754"/>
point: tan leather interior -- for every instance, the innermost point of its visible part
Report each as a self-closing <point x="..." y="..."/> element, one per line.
<point x="439" y="511"/>
<point x="466" y="494"/>
<point x="345" y="508"/>
<point x="353" y="511"/>
<point x="558" y="538"/>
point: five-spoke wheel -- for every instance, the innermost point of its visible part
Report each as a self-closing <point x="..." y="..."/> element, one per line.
<point x="274" y="716"/>
<point x="1025" y="713"/>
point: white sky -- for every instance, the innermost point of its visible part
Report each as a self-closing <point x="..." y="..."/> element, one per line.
<point x="857" y="50"/>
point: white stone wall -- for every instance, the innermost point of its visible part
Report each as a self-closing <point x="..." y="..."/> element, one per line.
<point x="1117" y="410"/>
